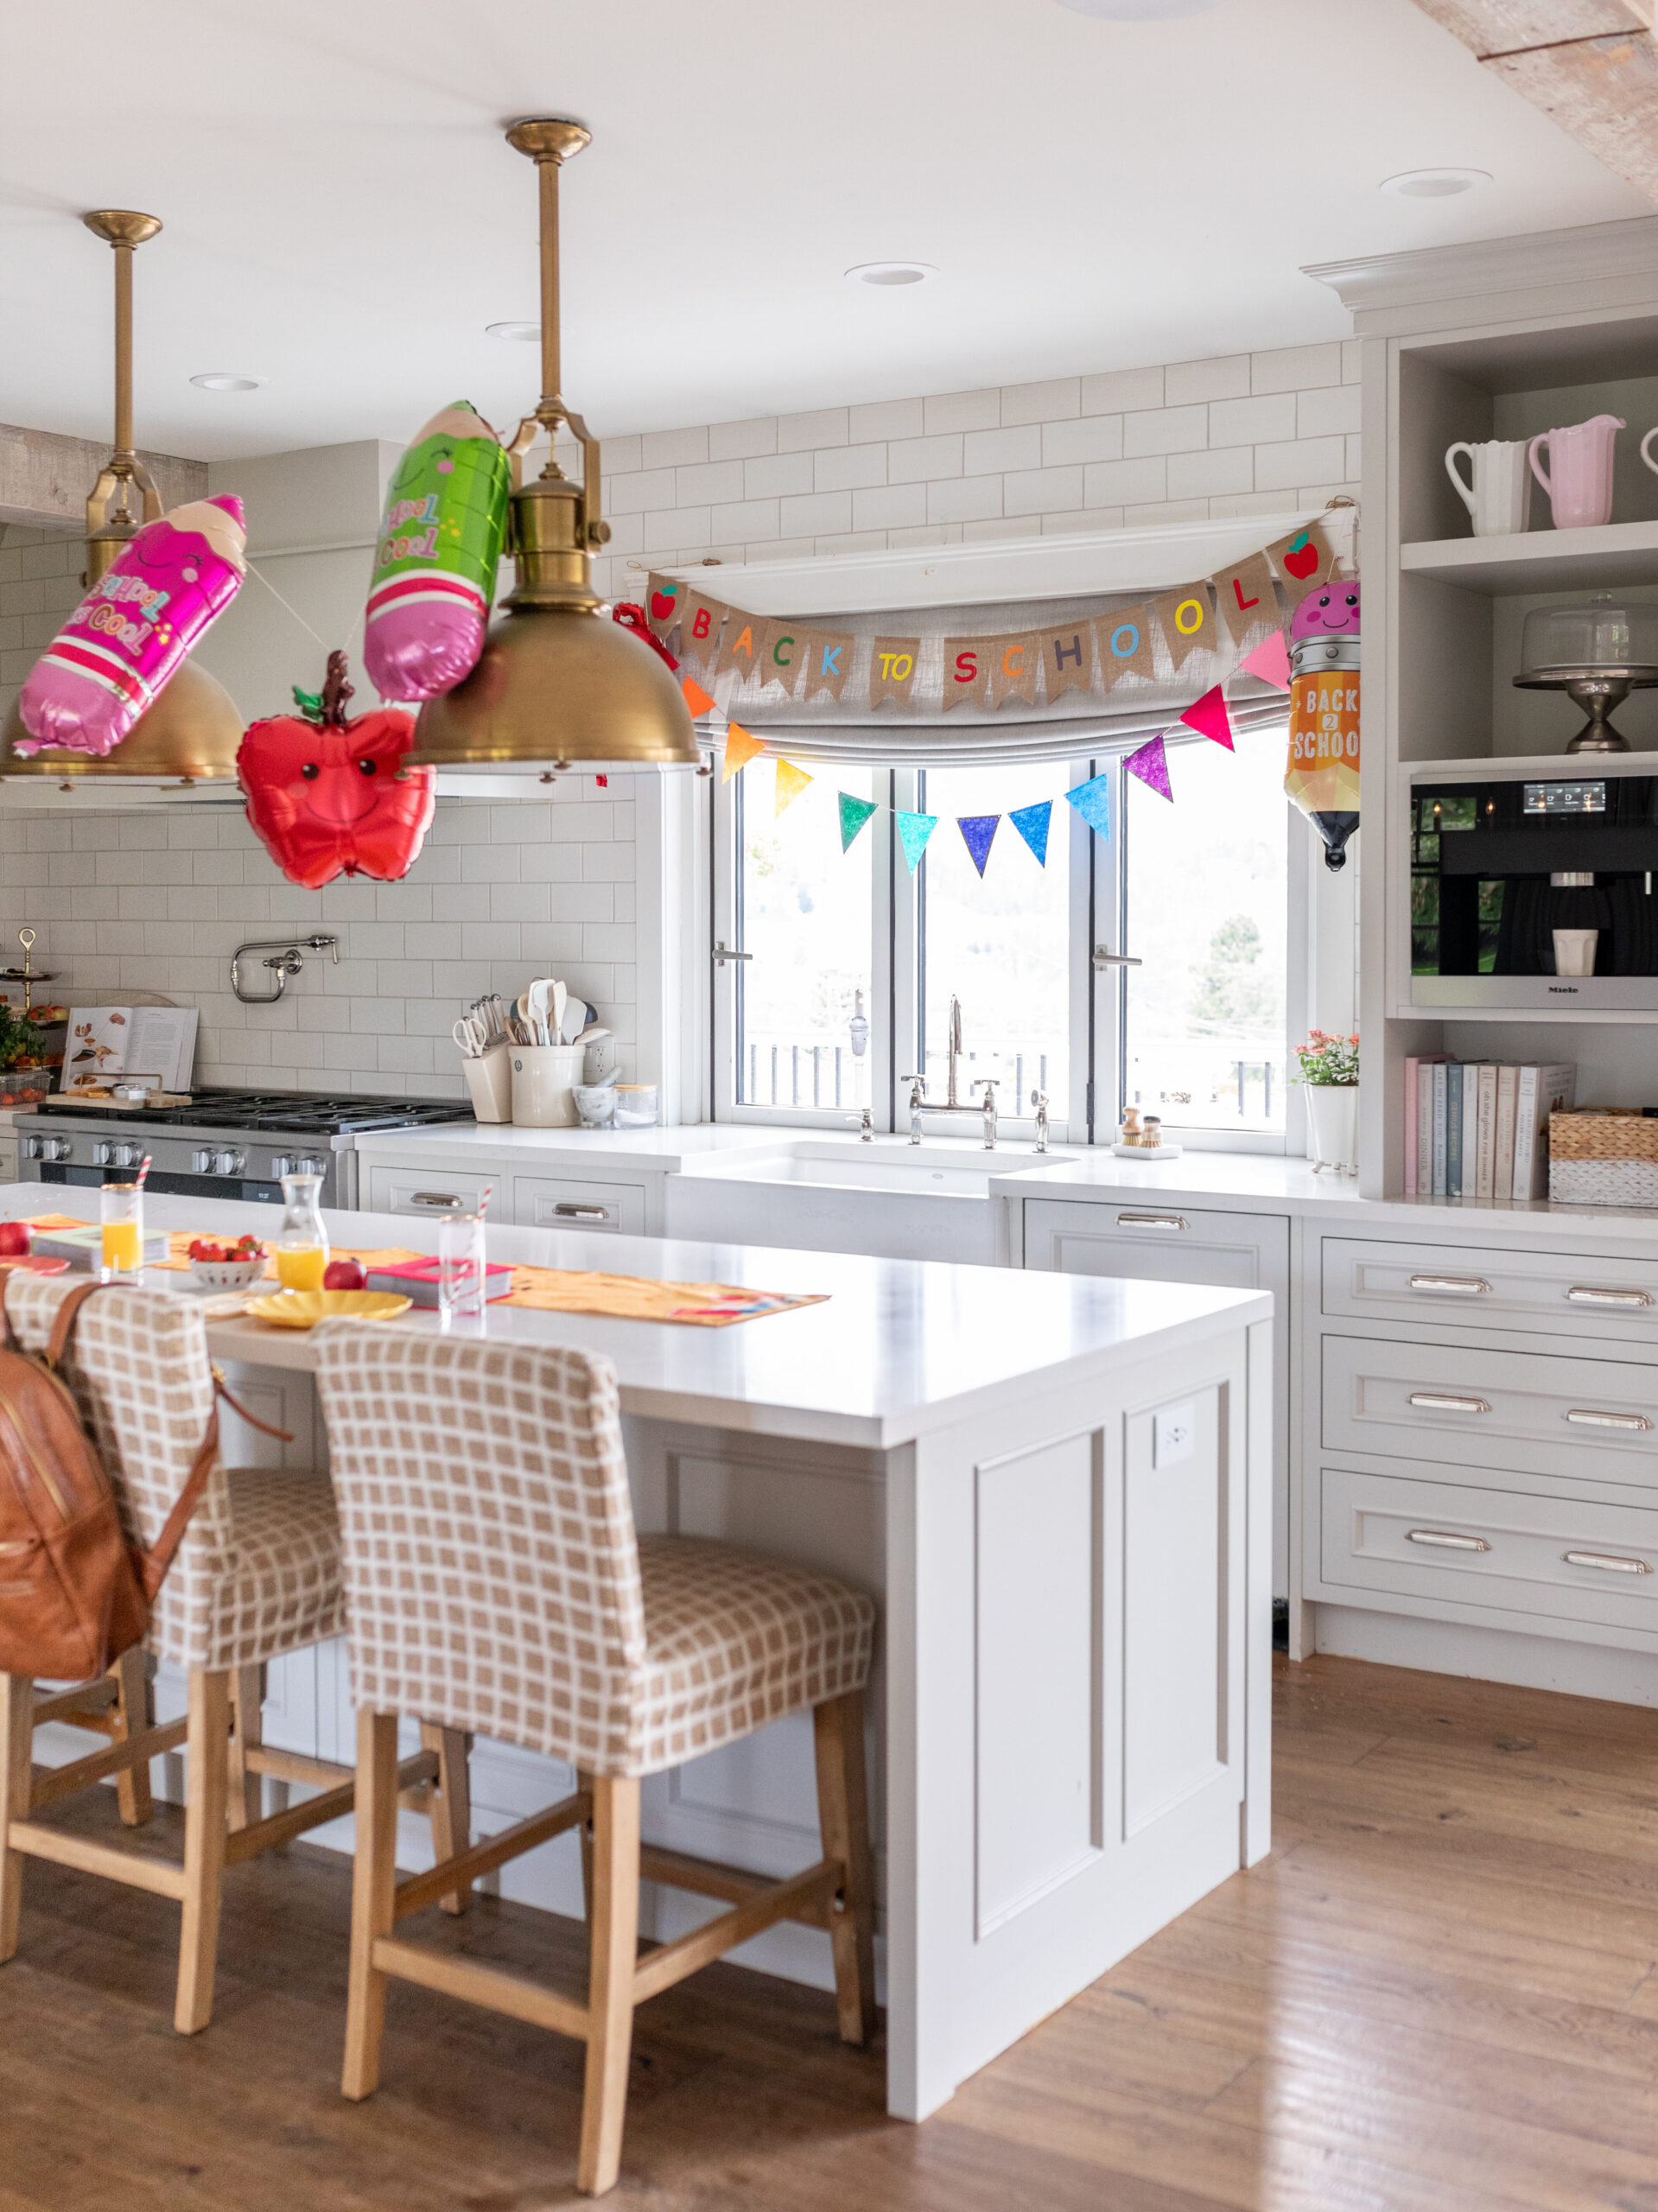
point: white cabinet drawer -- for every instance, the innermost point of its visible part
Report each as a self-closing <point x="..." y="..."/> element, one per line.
<point x="544" y="1202"/>
<point x="8" y="1160"/>
<point x="1151" y="1242"/>
<point x="1561" y="1561"/>
<point x="430" y="1191"/>
<point x="1595" y="1419"/>
<point x="1433" y="1285"/>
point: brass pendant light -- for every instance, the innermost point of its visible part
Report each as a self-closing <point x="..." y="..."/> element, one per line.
<point x="191" y="734"/>
<point x="559" y="684"/>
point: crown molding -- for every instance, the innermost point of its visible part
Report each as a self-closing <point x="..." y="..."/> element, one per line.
<point x="1592" y="259"/>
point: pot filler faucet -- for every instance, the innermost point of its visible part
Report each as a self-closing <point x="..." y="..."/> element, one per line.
<point x="953" y="1103"/>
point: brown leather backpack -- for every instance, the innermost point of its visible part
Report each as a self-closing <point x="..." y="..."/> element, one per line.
<point x="74" y="1594"/>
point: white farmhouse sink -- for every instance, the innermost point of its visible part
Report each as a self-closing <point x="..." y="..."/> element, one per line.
<point x="890" y="1198"/>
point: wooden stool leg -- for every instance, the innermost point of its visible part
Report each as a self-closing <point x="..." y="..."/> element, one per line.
<point x="585" y="1832"/>
<point x="131" y="1717"/>
<point x="451" y="1802"/>
<point x="843" y="1817"/>
<point x="613" y="1929"/>
<point x="245" y="1797"/>
<point x="374" y="1879"/>
<point x="208" y="1743"/>
<point x="16" y="1783"/>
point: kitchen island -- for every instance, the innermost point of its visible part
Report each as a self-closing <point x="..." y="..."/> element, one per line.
<point x="1057" y="1490"/>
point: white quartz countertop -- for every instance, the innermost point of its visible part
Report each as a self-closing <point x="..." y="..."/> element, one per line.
<point x="659" y="1151"/>
<point x="899" y="1348"/>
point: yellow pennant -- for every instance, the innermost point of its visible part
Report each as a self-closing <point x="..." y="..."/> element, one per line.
<point x="740" y="749"/>
<point x="792" y="781"/>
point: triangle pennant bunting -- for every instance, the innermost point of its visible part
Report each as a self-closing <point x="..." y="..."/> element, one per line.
<point x="1270" y="661"/>
<point x="1151" y="764"/>
<point x="978" y="833"/>
<point x="740" y="748"/>
<point x="913" y="831"/>
<point x="792" y="781"/>
<point x="1092" y="800"/>
<point x="855" y="812"/>
<point x="1208" y="717"/>
<point x="695" y="698"/>
<point x="1031" y="823"/>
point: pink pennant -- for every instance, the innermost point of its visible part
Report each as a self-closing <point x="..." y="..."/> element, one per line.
<point x="1151" y="764"/>
<point x="1208" y="717"/>
<point x="1270" y="661"/>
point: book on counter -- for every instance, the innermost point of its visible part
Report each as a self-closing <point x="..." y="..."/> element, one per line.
<point x="1479" y="1129"/>
<point x="417" y="1279"/>
<point x="84" y="1248"/>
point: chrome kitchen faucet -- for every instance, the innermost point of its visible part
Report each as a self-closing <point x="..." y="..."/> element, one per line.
<point x="953" y="1103"/>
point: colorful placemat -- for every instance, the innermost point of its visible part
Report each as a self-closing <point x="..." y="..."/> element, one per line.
<point x="637" y="1298"/>
<point x="179" y="1240"/>
<point x="50" y="1221"/>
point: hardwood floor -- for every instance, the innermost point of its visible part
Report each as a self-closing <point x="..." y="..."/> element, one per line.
<point x="1437" y="1995"/>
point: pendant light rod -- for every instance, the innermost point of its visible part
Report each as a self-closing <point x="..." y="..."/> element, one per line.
<point x="124" y="230"/>
<point x="550" y="141"/>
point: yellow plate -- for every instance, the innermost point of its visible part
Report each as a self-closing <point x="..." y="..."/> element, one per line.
<point x="303" y="1309"/>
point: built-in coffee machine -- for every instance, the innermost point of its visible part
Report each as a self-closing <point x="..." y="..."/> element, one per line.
<point x="1531" y="894"/>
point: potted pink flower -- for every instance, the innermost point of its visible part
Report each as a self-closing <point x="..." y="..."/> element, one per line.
<point x="1330" y="1070"/>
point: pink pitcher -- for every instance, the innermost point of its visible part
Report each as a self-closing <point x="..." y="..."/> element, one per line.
<point x="1580" y="487"/>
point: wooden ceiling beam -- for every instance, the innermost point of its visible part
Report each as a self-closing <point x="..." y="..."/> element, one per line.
<point x="1592" y="67"/>
<point x="45" y="478"/>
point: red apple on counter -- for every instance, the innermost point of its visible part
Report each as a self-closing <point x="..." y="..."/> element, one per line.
<point x="14" y="1239"/>
<point x="344" y="1275"/>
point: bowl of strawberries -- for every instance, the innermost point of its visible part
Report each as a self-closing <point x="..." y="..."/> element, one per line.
<point x="222" y="1265"/>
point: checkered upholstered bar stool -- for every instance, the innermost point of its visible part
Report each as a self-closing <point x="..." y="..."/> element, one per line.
<point x="496" y="1584"/>
<point x="256" y="1575"/>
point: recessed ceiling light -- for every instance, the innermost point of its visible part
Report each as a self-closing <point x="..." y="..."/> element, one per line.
<point x="226" y="380"/>
<point x="527" y="333"/>
<point x="1137" y="11"/>
<point x="889" y="273"/>
<point x="1433" y="184"/>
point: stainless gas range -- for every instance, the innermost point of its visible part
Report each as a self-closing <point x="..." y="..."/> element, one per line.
<point x="225" y="1144"/>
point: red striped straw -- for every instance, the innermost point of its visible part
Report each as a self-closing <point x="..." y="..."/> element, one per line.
<point x="483" y="1203"/>
<point x="143" y="1171"/>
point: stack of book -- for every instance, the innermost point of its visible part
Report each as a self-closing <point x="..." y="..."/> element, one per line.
<point x="1480" y="1129"/>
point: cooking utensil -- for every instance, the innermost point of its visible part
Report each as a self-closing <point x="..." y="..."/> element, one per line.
<point x="555" y="1027"/>
<point x="470" y="1035"/>
<point x="541" y="1000"/>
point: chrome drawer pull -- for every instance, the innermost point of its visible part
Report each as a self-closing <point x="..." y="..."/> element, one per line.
<point x="1608" y="1562"/>
<point x="1152" y="1221"/>
<point x="433" y="1198"/>
<point x="1585" y="1418"/>
<point x="1466" y="1286"/>
<point x="1441" y="1401"/>
<point x="1587" y="1295"/>
<point x="582" y="1213"/>
<point x="1446" y="1540"/>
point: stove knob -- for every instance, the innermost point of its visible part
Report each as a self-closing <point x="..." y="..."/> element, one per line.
<point x="229" y="1163"/>
<point x="126" y="1155"/>
<point x="310" y="1166"/>
<point x="281" y="1165"/>
<point x="55" y="1147"/>
<point x="102" y="1155"/>
<point x="33" y="1149"/>
<point x="202" y="1162"/>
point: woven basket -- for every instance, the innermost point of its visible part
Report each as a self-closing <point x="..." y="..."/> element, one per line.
<point x="1608" y="1158"/>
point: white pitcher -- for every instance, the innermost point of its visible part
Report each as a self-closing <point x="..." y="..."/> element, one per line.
<point x="1499" y="499"/>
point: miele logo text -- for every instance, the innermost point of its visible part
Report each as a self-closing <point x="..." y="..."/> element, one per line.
<point x="1564" y="990"/>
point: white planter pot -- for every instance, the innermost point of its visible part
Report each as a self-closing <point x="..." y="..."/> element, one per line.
<point x="1333" y="1122"/>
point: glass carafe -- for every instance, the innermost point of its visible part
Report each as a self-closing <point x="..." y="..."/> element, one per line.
<point x="302" y="1241"/>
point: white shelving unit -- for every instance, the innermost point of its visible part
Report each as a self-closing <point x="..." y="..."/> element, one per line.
<point x="1499" y="339"/>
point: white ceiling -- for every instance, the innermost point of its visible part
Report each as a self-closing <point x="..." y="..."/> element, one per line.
<point x="343" y="218"/>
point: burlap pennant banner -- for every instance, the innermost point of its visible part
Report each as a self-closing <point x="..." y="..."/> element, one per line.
<point x="966" y="671"/>
<point x="1224" y="618"/>
<point x="1016" y="662"/>
<point x="700" y="622"/>
<point x="1186" y="619"/>
<point x="892" y="664"/>
<point x="829" y="662"/>
<point x="1068" y="660"/>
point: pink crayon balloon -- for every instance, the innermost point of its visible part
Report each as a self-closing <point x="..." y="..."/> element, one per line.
<point x="113" y="657"/>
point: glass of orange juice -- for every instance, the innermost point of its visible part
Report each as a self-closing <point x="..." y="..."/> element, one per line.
<point x="302" y="1241"/>
<point x="121" y="1211"/>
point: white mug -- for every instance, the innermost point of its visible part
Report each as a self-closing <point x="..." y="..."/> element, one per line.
<point x="1574" y="951"/>
<point x="1499" y="499"/>
<point x="1645" y="442"/>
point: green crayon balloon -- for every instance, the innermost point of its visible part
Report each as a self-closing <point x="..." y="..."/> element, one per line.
<point x="435" y="565"/>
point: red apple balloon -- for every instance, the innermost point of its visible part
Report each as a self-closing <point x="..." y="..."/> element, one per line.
<point x="329" y="796"/>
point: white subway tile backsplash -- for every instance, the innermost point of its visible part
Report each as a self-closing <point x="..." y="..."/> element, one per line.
<point x="1199" y="476"/>
<point x="674" y="449"/>
<point x="773" y="476"/>
<point x="1302" y="461"/>
<point x="1042" y="490"/>
<point x="889" y="506"/>
<point x="1092" y="437"/>
<point x="1225" y="377"/>
<point x="800" y="433"/>
<point x="1164" y="430"/>
<point x="1333" y="407"/>
<point x="1295" y="368"/>
<point x="1041" y="403"/>
<point x="742" y="441"/>
<point x="944" y="412"/>
<point x="1252" y="422"/>
<point x="964" y="499"/>
<point x="1122" y="389"/>
<point x="708" y="480"/>
<point x="849" y="468"/>
<point x="922" y="461"/>
<point x="887" y="418"/>
<point x="986" y="453"/>
<point x="817" y="513"/>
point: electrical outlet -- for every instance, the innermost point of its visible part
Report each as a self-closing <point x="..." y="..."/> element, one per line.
<point x="1174" y="1433"/>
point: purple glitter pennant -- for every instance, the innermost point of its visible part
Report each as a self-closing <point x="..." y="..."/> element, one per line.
<point x="1151" y="764"/>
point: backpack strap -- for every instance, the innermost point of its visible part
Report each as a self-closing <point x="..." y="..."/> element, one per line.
<point x="152" y="1565"/>
<point x="64" y="1320"/>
